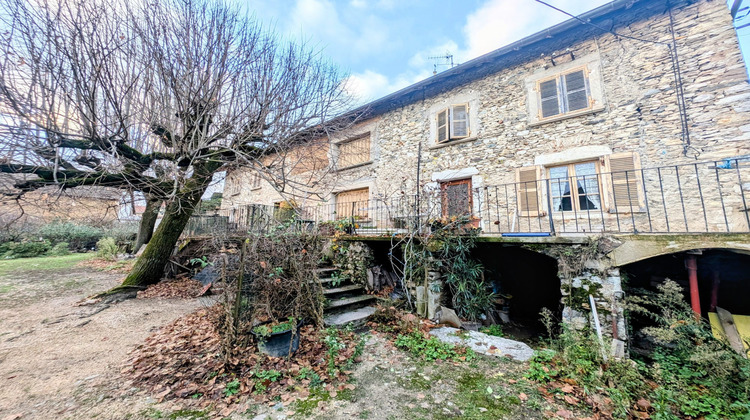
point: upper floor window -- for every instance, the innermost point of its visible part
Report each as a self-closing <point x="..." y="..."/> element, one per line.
<point x="354" y="152"/>
<point x="255" y="181"/>
<point x="565" y="90"/>
<point x="564" y="93"/>
<point x="453" y="123"/>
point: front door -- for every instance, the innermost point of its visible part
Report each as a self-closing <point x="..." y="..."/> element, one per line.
<point x="456" y="198"/>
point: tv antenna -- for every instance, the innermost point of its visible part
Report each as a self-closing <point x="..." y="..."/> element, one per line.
<point x="447" y="60"/>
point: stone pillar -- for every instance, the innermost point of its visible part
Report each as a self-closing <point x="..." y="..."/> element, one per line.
<point x="606" y="288"/>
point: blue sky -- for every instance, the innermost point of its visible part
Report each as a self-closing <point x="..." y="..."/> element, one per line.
<point x="385" y="45"/>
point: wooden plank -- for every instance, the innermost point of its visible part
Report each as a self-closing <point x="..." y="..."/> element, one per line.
<point x="730" y="331"/>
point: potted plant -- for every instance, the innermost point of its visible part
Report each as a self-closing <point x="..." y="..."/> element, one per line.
<point x="278" y="339"/>
<point x="279" y="291"/>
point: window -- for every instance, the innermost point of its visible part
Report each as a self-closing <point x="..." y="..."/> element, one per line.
<point x="456" y="198"/>
<point x="575" y="187"/>
<point x="354" y="152"/>
<point x="564" y="94"/>
<point x="453" y="123"/>
<point x="612" y="182"/>
<point x="255" y="181"/>
<point x="353" y="203"/>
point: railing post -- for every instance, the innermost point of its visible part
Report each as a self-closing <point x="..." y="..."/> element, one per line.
<point x="549" y="208"/>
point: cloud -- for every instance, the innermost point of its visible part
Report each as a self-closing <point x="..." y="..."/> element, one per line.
<point x="483" y="32"/>
<point x="322" y="20"/>
<point x="370" y="85"/>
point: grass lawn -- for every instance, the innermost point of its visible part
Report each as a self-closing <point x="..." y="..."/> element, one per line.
<point x="42" y="263"/>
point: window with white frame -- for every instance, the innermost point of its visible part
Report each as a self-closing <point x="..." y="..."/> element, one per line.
<point x="453" y="123"/>
<point x="575" y="187"/>
<point x="564" y="93"/>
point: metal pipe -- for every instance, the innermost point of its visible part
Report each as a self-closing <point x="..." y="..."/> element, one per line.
<point x="691" y="263"/>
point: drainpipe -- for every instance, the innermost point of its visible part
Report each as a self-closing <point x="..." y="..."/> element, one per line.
<point x="691" y="263"/>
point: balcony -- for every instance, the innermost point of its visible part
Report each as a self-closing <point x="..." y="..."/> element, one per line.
<point x="705" y="197"/>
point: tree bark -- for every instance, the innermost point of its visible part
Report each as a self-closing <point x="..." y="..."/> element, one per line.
<point x="148" y="221"/>
<point x="149" y="268"/>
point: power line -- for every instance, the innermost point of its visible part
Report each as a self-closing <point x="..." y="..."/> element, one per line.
<point x="586" y="22"/>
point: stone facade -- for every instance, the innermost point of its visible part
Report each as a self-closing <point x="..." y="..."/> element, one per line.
<point x="634" y="108"/>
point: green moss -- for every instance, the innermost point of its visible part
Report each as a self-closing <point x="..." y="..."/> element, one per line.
<point x="305" y="407"/>
<point x="415" y="382"/>
<point x="475" y="391"/>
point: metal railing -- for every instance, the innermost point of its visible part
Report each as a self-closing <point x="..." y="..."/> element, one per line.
<point x="706" y="197"/>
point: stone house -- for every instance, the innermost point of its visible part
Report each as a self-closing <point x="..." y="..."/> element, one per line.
<point x="632" y="119"/>
<point x="97" y="206"/>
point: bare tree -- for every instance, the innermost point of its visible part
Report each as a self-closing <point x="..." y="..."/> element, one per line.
<point x="155" y="97"/>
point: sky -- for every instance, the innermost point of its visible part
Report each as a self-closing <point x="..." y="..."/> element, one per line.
<point x="386" y="45"/>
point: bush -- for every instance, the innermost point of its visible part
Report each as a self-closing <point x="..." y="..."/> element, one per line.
<point x="25" y="249"/>
<point x="432" y="348"/>
<point x="79" y="237"/>
<point x="107" y="248"/>
<point x="690" y="375"/>
<point x="59" y="250"/>
<point x="123" y="233"/>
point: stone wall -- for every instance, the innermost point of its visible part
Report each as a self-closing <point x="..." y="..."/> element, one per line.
<point x="635" y="110"/>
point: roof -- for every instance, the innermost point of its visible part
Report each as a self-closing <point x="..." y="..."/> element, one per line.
<point x="611" y="15"/>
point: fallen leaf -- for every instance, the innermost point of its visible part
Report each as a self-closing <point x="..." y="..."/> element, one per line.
<point x="566" y="389"/>
<point x="523" y="397"/>
<point x="564" y="414"/>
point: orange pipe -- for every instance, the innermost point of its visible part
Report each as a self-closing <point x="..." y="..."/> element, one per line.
<point x="691" y="263"/>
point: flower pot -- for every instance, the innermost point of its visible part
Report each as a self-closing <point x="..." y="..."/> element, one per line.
<point x="278" y="344"/>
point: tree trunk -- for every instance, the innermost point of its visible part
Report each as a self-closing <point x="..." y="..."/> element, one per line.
<point x="149" y="268"/>
<point x="148" y="221"/>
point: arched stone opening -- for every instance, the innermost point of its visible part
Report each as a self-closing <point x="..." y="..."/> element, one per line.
<point x="723" y="280"/>
<point x="527" y="281"/>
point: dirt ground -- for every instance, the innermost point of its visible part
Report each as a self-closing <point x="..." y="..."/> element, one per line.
<point x="60" y="360"/>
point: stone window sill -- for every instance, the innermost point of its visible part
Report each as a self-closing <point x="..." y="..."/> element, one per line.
<point x="452" y="143"/>
<point x="359" y="165"/>
<point x="566" y="116"/>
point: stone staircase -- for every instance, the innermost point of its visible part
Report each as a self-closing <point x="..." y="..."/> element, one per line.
<point x="346" y="303"/>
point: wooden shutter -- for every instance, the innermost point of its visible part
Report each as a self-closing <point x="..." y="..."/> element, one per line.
<point x="353" y="203"/>
<point x="624" y="176"/>
<point x="354" y="152"/>
<point x="575" y="91"/>
<point x="442" y="126"/>
<point x="459" y="121"/>
<point x="530" y="191"/>
<point x="548" y="96"/>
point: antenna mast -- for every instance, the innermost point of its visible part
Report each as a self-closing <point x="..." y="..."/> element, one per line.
<point x="447" y="60"/>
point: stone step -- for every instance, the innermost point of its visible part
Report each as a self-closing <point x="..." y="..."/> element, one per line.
<point x="326" y="280"/>
<point x="341" y="303"/>
<point x="355" y="318"/>
<point x="326" y="270"/>
<point x="342" y="289"/>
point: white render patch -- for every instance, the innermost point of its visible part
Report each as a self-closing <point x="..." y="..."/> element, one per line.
<point x="454" y="174"/>
<point x="572" y="155"/>
<point x="483" y="343"/>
